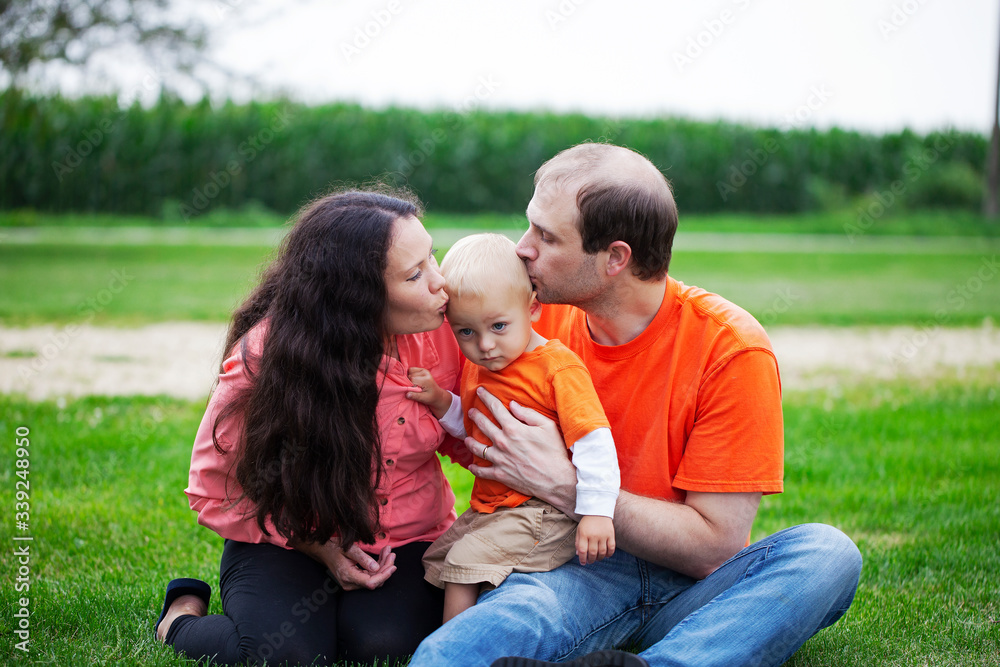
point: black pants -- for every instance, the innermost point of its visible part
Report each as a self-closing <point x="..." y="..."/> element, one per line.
<point x="282" y="606"/>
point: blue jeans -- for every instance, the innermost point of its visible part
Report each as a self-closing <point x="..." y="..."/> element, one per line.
<point x="757" y="609"/>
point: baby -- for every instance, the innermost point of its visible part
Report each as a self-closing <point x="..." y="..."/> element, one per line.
<point x="491" y="308"/>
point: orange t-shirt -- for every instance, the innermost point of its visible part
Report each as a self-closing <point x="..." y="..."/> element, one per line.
<point x="694" y="401"/>
<point x="549" y="379"/>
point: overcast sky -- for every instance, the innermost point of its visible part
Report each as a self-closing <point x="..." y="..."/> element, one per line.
<point x="877" y="65"/>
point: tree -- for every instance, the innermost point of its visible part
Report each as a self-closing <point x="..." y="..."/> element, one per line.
<point x="72" y="31"/>
<point x="991" y="197"/>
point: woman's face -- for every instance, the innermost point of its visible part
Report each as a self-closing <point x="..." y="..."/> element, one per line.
<point x="416" y="297"/>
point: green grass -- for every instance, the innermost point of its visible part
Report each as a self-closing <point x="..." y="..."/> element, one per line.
<point x="851" y="221"/>
<point x="912" y="473"/>
<point x="124" y="284"/>
<point x="909" y="471"/>
<point x="108" y="278"/>
<point x="850" y="289"/>
<point x="893" y="223"/>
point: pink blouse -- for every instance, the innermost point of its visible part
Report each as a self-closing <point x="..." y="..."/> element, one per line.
<point x="417" y="503"/>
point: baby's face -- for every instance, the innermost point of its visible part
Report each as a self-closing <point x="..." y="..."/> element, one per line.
<point x="491" y="332"/>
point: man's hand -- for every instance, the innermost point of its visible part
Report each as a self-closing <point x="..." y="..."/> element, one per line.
<point x="528" y="454"/>
<point x="352" y="568"/>
<point x="427" y="391"/>
<point x="595" y="539"/>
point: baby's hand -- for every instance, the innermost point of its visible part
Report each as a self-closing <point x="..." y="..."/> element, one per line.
<point x="595" y="539"/>
<point x="427" y="391"/>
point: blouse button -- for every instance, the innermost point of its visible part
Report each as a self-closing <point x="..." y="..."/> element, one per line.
<point x="401" y="421"/>
<point x="389" y="462"/>
<point x="384" y="501"/>
<point x="381" y="536"/>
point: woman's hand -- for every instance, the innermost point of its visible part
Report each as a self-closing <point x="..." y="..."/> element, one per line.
<point x="352" y="568"/>
<point x="528" y="454"/>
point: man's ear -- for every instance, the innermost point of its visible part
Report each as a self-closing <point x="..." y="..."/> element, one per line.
<point x="619" y="255"/>
<point x="534" y="308"/>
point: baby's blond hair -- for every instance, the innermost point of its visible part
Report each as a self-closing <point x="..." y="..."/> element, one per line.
<point x="485" y="265"/>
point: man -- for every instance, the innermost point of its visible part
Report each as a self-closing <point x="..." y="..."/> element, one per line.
<point x="690" y="386"/>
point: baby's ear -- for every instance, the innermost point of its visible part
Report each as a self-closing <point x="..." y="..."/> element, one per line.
<point x="534" y="308"/>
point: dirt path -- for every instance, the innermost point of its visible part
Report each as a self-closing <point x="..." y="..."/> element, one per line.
<point x="180" y="358"/>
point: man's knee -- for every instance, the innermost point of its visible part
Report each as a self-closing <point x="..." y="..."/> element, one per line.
<point x="836" y="549"/>
<point x="832" y="561"/>
<point x="835" y="566"/>
<point x="847" y="562"/>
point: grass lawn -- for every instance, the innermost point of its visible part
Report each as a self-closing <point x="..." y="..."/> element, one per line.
<point x="781" y="280"/>
<point x="852" y="221"/>
<point x="910" y="472"/>
<point x="124" y="284"/>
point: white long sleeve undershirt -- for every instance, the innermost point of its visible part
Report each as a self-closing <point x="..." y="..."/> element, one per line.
<point x="597" y="475"/>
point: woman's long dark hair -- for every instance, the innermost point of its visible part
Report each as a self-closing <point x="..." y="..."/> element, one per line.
<point x="310" y="456"/>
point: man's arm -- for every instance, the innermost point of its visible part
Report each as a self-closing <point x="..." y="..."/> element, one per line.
<point x="693" y="537"/>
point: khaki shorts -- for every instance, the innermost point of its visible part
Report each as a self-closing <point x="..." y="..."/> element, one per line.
<point x="485" y="548"/>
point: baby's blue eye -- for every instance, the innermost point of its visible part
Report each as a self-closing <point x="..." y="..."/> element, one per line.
<point x="499" y="326"/>
<point x="465" y="332"/>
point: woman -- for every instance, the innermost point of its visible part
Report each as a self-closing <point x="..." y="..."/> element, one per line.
<point x="310" y="460"/>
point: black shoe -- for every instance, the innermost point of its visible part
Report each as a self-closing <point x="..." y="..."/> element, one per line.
<point x="596" y="659"/>
<point x="179" y="587"/>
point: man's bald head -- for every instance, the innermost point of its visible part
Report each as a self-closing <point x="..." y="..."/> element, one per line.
<point x="621" y="196"/>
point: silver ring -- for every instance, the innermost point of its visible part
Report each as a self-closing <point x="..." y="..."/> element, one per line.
<point x="485" y="447"/>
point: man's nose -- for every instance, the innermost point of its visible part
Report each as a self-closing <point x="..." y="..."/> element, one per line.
<point x="524" y="248"/>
